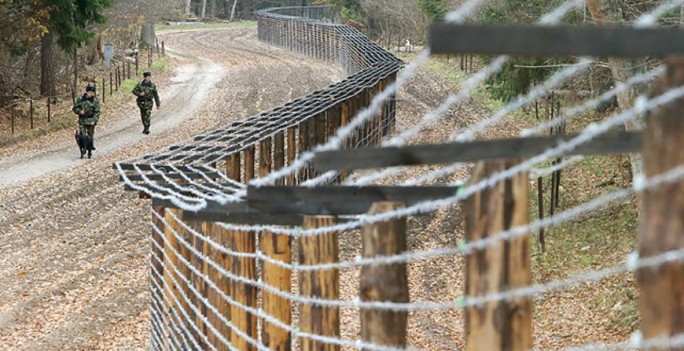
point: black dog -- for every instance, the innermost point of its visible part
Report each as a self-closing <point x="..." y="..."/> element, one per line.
<point x="85" y="143"/>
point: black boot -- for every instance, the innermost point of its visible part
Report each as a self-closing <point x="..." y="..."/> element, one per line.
<point x="146" y="130"/>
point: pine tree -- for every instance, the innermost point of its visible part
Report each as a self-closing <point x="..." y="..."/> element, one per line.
<point x="435" y="10"/>
<point x="68" y="23"/>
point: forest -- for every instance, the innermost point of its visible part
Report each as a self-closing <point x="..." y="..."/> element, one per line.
<point x="44" y="44"/>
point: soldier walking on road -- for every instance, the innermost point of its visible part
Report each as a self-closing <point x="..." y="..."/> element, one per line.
<point x="87" y="107"/>
<point x="146" y="91"/>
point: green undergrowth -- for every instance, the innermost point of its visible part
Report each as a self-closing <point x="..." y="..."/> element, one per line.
<point x="600" y="239"/>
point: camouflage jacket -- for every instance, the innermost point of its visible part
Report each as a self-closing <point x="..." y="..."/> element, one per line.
<point x="91" y="108"/>
<point x="150" y="91"/>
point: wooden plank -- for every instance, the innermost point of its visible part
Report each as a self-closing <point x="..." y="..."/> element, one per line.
<point x="246" y="218"/>
<point x="661" y="297"/>
<point x="471" y="151"/>
<point x="323" y="284"/>
<point x="504" y="324"/>
<point x="555" y="40"/>
<point x="384" y="283"/>
<point x="337" y="200"/>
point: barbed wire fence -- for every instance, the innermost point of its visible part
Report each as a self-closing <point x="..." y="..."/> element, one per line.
<point x="246" y="224"/>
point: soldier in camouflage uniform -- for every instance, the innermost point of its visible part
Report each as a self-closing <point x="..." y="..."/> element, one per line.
<point x="146" y="91"/>
<point x="87" y="107"/>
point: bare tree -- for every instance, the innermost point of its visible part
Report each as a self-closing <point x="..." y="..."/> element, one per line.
<point x="401" y="21"/>
<point x="610" y="11"/>
<point x="47" y="76"/>
<point x="232" y="11"/>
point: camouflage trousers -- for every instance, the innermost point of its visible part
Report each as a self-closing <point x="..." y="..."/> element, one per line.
<point x="146" y="116"/>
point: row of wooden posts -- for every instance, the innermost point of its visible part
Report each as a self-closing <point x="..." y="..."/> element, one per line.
<point x="117" y="75"/>
<point x="260" y="159"/>
<point x="504" y="266"/>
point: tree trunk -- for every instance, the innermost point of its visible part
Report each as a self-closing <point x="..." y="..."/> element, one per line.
<point x="232" y="11"/>
<point x="187" y="6"/>
<point x="204" y="9"/>
<point x="212" y="8"/>
<point x="74" y="87"/>
<point x="96" y="51"/>
<point x="147" y="35"/>
<point x="621" y="70"/>
<point x="47" y="71"/>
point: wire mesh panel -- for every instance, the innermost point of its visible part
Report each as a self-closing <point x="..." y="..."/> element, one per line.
<point x="228" y="275"/>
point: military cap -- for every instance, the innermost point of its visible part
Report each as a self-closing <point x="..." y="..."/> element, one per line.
<point x="147" y="74"/>
<point x="90" y="88"/>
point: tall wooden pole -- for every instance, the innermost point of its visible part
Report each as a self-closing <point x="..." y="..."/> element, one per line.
<point x="662" y="225"/>
<point x="278" y="247"/>
<point x="384" y="283"/>
<point x="220" y="236"/>
<point x="499" y="325"/>
<point x="157" y="264"/>
<point x="323" y="284"/>
<point x="243" y="293"/>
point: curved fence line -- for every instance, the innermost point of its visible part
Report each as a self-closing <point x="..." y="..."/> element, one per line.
<point x="301" y="123"/>
<point x="195" y="305"/>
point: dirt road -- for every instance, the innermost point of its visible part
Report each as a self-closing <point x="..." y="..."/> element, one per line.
<point x="73" y="244"/>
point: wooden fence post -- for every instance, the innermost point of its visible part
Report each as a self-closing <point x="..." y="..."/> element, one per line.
<point x="245" y="267"/>
<point x="31" y="112"/>
<point x="173" y="291"/>
<point x="279" y="154"/>
<point x="498" y="325"/>
<point x="291" y="153"/>
<point x="384" y="282"/>
<point x="303" y="147"/>
<point x="313" y="140"/>
<point x="49" y="109"/>
<point x="249" y="153"/>
<point x="157" y="263"/>
<point x="196" y="277"/>
<point x="222" y="237"/>
<point x="662" y="226"/>
<point x="187" y="274"/>
<point x="233" y="167"/>
<point x="277" y="247"/>
<point x="323" y="284"/>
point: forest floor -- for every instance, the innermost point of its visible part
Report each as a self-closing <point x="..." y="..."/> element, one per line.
<point x="74" y="248"/>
